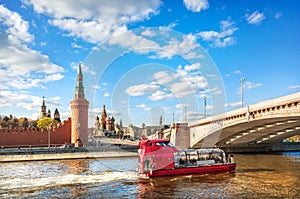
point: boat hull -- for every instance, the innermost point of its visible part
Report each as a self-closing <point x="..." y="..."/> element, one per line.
<point x="200" y="170"/>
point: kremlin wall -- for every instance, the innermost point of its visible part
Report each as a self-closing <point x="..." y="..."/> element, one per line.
<point x="35" y="137"/>
<point x="73" y="130"/>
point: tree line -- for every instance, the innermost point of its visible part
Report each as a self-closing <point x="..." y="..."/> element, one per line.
<point x="13" y="122"/>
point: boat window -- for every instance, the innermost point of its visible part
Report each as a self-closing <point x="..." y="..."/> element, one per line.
<point x="160" y="144"/>
<point x="164" y="144"/>
<point x="170" y="144"/>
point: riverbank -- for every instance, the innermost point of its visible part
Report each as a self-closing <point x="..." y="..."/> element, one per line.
<point x="107" y="148"/>
<point x="65" y="156"/>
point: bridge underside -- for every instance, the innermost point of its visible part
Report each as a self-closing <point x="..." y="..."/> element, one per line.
<point x="259" y="132"/>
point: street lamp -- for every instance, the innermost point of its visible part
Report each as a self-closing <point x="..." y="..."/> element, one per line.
<point x="185" y="114"/>
<point x="204" y="99"/>
<point x="49" y="139"/>
<point x="173" y="117"/>
<point x="242" y="93"/>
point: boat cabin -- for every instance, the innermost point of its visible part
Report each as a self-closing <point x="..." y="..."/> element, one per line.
<point x="157" y="146"/>
<point x="160" y="157"/>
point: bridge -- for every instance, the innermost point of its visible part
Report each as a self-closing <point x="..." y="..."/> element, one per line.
<point x="267" y="122"/>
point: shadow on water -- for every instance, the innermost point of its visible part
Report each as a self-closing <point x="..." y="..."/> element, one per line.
<point x="174" y="187"/>
<point x="254" y="170"/>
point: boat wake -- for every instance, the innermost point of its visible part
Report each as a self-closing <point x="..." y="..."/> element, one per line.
<point x="21" y="185"/>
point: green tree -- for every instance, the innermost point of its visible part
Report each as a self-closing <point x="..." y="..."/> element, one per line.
<point x="46" y="123"/>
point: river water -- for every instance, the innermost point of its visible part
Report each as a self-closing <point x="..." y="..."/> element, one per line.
<point x="257" y="176"/>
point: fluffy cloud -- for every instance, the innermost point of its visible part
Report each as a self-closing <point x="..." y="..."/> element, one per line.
<point x="162" y="77"/>
<point x="183" y="82"/>
<point x="94" y="20"/>
<point x="251" y="85"/>
<point x="196" y="5"/>
<point x="180" y="106"/>
<point x="141" y="89"/>
<point x="223" y="38"/>
<point x="143" y="106"/>
<point x="255" y="17"/>
<point x="160" y="95"/>
<point x="25" y="100"/>
<point x="17" y="28"/>
<point x="86" y="69"/>
<point x="294" y="87"/>
<point x="22" y="67"/>
<point x="184" y="47"/>
<point x="103" y="22"/>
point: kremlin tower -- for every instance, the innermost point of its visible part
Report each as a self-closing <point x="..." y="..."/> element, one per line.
<point x="43" y="112"/>
<point x="79" y="108"/>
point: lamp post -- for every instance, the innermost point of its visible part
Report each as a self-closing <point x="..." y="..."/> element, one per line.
<point x="173" y="117"/>
<point x="77" y="135"/>
<point x="185" y="114"/>
<point x="49" y="139"/>
<point x="242" y="89"/>
<point x="204" y="99"/>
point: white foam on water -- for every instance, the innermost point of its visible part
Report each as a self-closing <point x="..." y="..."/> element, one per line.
<point x="31" y="184"/>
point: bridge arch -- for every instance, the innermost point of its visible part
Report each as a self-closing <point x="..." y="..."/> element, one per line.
<point x="265" y="122"/>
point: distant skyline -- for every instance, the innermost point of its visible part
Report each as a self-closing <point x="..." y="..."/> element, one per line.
<point x="145" y="59"/>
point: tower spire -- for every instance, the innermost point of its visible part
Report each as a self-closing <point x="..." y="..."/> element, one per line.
<point x="79" y="92"/>
<point x="43" y="109"/>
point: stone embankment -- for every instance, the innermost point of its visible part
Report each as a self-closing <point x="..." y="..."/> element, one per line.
<point x="105" y="148"/>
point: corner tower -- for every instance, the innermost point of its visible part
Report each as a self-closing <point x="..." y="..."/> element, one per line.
<point x="79" y="109"/>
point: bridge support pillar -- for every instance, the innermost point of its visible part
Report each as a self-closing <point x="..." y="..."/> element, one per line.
<point x="180" y="135"/>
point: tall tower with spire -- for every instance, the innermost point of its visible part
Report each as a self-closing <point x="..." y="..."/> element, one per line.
<point x="103" y="118"/>
<point x="43" y="112"/>
<point x="79" y="108"/>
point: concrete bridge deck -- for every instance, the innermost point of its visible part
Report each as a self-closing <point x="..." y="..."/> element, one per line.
<point x="267" y="122"/>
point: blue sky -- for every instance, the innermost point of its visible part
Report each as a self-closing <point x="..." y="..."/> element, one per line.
<point x="144" y="59"/>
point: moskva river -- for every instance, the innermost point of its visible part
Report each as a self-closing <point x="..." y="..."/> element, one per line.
<point x="257" y="176"/>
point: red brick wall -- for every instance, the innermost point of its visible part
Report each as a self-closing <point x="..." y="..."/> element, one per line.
<point x="22" y="137"/>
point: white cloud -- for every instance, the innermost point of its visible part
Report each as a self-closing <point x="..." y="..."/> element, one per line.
<point x="294" y="87"/>
<point x="233" y="104"/>
<point x="195" y="66"/>
<point x="181" y="106"/>
<point x="148" y="33"/>
<point x="22" y="67"/>
<point x="193" y="115"/>
<point x="96" y="87"/>
<point x="95" y="20"/>
<point x="143" y="106"/>
<point x="17" y="28"/>
<point x="106" y="95"/>
<point x="196" y="5"/>
<point x="86" y="69"/>
<point x="27" y="101"/>
<point x="131" y="41"/>
<point x="141" y="89"/>
<point x="74" y="45"/>
<point x="250" y="85"/>
<point x="162" y="77"/>
<point x="160" y="95"/>
<point x="181" y="89"/>
<point x="184" y="47"/>
<point x="255" y="17"/>
<point x="223" y="38"/>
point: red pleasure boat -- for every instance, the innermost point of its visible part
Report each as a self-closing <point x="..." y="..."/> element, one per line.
<point x="160" y="157"/>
